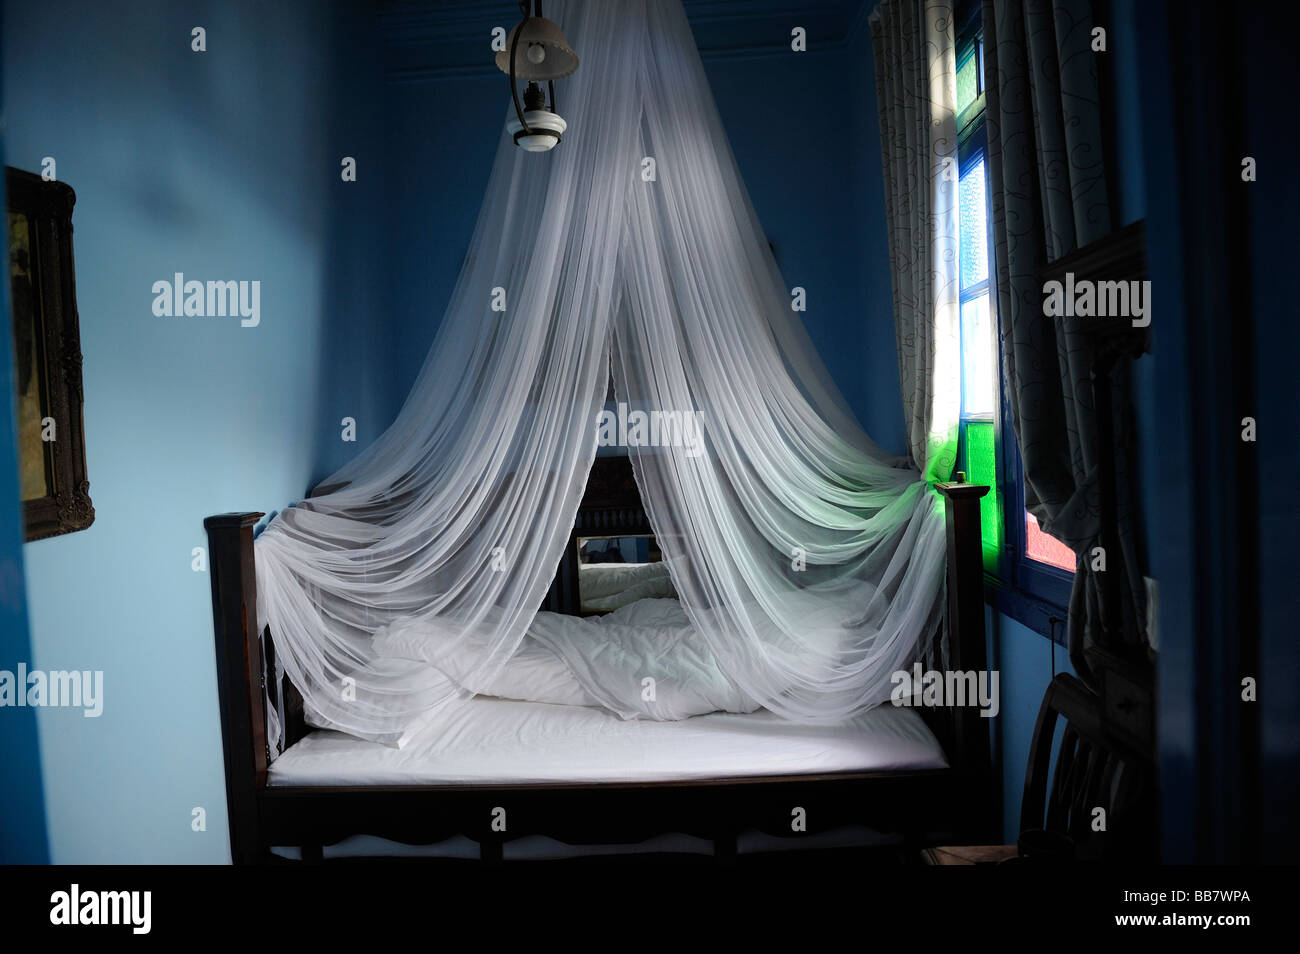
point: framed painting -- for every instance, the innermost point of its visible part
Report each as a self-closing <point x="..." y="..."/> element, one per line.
<point x="52" y="478"/>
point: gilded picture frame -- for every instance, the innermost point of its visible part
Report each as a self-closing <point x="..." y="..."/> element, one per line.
<point x="49" y="398"/>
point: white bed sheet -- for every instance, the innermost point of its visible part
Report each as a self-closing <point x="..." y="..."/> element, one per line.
<point x="499" y="741"/>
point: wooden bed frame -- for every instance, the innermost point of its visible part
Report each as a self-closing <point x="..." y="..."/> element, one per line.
<point x="956" y="802"/>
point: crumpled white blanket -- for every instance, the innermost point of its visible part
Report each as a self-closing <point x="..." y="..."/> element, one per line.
<point x="644" y="660"/>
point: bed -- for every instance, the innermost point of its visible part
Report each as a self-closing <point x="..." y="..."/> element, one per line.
<point x="495" y="770"/>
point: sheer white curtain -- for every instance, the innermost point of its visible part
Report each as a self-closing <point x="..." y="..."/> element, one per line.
<point x="914" y="47"/>
<point x="809" y="564"/>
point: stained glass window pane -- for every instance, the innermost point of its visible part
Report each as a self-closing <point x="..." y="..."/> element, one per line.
<point x="980" y="464"/>
<point x="978" y="360"/>
<point x="1046" y="549"/>
<point x="967" y="82"/>
<point x="974" y="226"/>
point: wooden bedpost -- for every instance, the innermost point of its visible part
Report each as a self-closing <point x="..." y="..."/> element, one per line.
<point x="967" y="649"/>
<point x="239" y="676"/>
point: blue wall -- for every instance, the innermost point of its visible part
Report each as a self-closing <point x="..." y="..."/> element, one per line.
<point x="221" y="165"/>
<point x="22" y="811"/>
<point x="358" y="346"/>
<point x="882" y="412"/>
<point x="816" y="184"/>
<point x="434" y="197"/>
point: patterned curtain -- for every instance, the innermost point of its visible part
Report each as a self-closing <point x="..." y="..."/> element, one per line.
<point x="916" y="92"/>
<point x="1048" y="186"/>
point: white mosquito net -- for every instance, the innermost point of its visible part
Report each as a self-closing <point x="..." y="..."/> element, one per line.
<point x="808" y="562"/>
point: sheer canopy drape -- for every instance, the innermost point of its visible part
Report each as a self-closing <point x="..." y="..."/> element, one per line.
<point x="809" y="564"/>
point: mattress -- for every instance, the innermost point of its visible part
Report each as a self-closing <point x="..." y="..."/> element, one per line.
<point x="490" y="741"/>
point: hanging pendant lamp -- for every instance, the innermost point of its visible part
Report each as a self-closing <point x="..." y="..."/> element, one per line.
<point x="538" y="52"/>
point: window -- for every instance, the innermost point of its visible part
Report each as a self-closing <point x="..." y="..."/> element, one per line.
<point x="980" y="387"/>
<point x="980" y="390"/>
<point x="1031" y="569"/>
<point x="970" y="79"/>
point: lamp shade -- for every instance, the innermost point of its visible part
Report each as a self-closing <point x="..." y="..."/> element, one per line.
<point x="545" y="129"/>
<point x="543" y="52"/>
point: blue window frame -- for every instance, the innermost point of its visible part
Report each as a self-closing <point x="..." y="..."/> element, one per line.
<point x="1033" y="592"/>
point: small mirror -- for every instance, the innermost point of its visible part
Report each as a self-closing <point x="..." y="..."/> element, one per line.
<point x="616" y="571"/>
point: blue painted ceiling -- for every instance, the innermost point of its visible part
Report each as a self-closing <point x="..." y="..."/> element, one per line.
<point x="431" y="39"/>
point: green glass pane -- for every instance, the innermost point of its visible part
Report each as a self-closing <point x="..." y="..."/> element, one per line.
<point x="967" y="82"/>
<point x="980" y="464"/>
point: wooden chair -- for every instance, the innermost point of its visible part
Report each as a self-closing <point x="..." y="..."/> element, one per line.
<point x="1100" y="793"/>
<point x="1089" y="799"/>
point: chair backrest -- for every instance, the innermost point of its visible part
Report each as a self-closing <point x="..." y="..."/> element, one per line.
<point x="1094" y="788"/>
